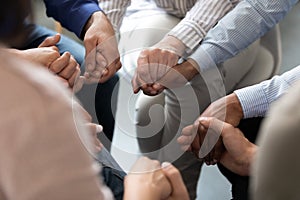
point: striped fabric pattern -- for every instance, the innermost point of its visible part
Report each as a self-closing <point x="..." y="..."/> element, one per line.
<point x="198" y="16"/>
<point x="256" y="99"/>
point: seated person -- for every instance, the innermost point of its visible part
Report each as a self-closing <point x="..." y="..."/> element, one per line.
<point x="37" y="154"/>
<point x="242" y="104"/>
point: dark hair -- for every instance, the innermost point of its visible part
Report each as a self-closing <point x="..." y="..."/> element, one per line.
<point x="13" y="14"/>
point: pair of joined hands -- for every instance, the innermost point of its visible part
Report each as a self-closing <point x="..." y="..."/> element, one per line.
<point x="157" y="67"/>
<point x="214" y="137"/>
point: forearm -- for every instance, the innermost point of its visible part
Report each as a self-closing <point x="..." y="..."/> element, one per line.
<point x="115" y="11"/>
<point x="73" y="15"/>
<point x="241" y="166"/>
<point x="256" y="100"/>
<point x="199" y="20"/>
<point x="235" y="31"/>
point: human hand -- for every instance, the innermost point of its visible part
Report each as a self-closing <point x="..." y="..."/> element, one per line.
<point x="65" y="66"/>
<point x="226" y="109"/>
<point x="146" y="180"/>
<point x="93" y="128"/>
<point x="43" y="56"/>
<point x="179" y="191"/>
<point x="155" y="62"/>
<point x="102" y="55"/>
<point x="203" y="142"/>
<point x="239" y="153"/>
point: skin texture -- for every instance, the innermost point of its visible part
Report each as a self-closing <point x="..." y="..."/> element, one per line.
<point x="149" y="180"/>
<point x="238" y="153"/>
<point x="226" y="109"/>
<point x="154" y="63"/>
<point x="102" y="55"/>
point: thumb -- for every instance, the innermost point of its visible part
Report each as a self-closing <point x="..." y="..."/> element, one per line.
<point x="50" y="41"/>
<point x="179" y="190"/>
<point x="214" y="129"/>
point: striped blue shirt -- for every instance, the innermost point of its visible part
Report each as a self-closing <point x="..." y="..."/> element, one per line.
<point x="256" y="99"/>
<point x="247" y="22"/>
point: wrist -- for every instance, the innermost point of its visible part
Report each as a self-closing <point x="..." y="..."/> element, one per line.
<point x="234" y="103"/>
<point x="173" y="44"/>
<point x="96" y="16"/>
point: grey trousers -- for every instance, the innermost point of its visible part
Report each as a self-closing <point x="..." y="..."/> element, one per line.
<point x="159" y="120"/>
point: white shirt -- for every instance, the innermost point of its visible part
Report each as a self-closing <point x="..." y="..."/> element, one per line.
<point x="198" y="15"/>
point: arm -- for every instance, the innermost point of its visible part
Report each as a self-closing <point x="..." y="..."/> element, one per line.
<point x="255" y="100"/>
<point x="199" y="20"/>
<point x="72" y="14"/>
<point x="115" y="11"/>
<point x="235" y="31"/>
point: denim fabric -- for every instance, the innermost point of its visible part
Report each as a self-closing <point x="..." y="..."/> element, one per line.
<point x="112" y="173"/>
<point x="99" y="100"/>
<point x="39" y="33"/>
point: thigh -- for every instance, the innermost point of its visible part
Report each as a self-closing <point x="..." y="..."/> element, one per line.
<point x="39" y="33"/>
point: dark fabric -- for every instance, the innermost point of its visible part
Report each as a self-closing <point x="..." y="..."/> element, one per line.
<point x="100" y="100"/>
<point x="73" y="15"/>
<point x="113" y="175"/>
<point x="240" y="184"/>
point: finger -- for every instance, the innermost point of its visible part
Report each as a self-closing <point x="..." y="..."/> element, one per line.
<point x="70" y="69"/>
<point x="78" y="84"/>
<point x="94" y="129"/>
<point x="59" y="64"/>
<point x="50" y="41"/>
<point x="153" y="65"/>
<point x="101" y="63"/>
<point x="173" y="175"/>
<point x="138" y="83"/>
<point x="74" y="76"/>
<point x="143" y="68"/>
<point x="90" y="54"/>
<point x="214" y="128"/>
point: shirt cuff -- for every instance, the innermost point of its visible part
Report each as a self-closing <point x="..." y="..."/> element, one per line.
<point x="203" y="59"/>
<point x="253" y="100"/>
<point x="189" y="32"/>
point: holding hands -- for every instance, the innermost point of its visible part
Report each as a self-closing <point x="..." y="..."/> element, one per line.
<point x="216" y="141"/>
<point x="153" y="181"/>
<point x="157" y="67"/>
<point x="102" y="55"/>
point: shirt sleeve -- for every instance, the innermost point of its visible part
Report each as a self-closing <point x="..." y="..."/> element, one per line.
<point x="115" y="11"/>
<point x="73" y="15"/>
<point x="199" y="20"/>
<point x="256" y="99"/>
<point x="248" y="21"/>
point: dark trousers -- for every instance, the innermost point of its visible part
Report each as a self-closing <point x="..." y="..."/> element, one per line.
<point x="240" y="184"/>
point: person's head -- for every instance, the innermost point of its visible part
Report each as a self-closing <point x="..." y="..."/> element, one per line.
<point x="13" y="14"/>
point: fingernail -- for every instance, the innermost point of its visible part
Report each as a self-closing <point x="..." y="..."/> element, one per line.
<point x="165" y="164"/>
<point x="104" y="72"/>
<point x="203" y="119"/>
<point x="97" y="73"/>
<point x="99" y="128"/>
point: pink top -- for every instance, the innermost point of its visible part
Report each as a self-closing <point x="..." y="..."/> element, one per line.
<point x="41" y="153"/>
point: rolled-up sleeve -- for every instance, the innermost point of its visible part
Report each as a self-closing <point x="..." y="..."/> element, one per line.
<point x="199" y="20"/>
